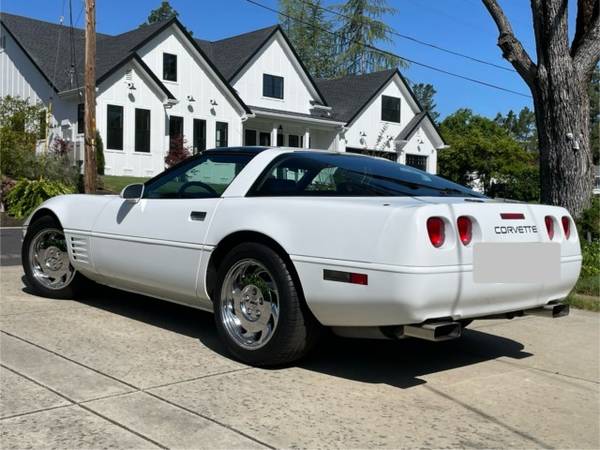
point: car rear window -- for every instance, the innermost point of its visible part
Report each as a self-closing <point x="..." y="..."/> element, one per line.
<point x="345" y="175"/>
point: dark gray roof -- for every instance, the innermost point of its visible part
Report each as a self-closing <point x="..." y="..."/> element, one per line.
<point x="350" y="94"/>
<point x="231" y="54"/>
<point x="48" y="46"/>
<point x="412" y="125"/>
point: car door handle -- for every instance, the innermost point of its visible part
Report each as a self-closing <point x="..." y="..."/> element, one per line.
<point x="198" y="215"/>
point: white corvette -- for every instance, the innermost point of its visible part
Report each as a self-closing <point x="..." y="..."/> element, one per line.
<point x="280" y="243"/>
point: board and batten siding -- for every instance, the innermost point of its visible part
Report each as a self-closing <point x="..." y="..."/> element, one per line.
<point x="275" y="58"/>
<point x="211" y="100"/>
<point x="115" y="91"/>
<point x="369" y="120"/>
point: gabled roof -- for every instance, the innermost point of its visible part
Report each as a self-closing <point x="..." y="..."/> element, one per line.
<point x="349" y="95"/>
<point x="230" y="55"/>
<point x="40" y="42"/>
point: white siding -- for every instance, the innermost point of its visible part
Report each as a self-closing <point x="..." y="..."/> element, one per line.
<point x="194" y="78"/>
<point x="275" y="58"/>
<point x="370" y="123"/>
<point x="420" y="143"/>
<point x="114" y="91"/>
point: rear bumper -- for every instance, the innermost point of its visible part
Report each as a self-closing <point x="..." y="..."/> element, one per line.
<point x="397" y="295"/>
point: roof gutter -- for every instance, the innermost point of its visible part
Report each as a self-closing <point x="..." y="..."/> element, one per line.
<point x="315" y="120"/>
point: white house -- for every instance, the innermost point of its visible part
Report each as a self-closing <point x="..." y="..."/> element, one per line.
<point x="156" y="84"/>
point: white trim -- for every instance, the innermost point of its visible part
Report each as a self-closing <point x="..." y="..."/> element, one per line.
<point x="281" y="115"/>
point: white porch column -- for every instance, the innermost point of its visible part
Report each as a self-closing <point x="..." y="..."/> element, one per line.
<point x="274" y="135"/>
<point x="306" y="143"/>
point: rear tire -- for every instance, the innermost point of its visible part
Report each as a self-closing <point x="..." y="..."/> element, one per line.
<point x="259" y="313"/>
<point x="46" y="263"/>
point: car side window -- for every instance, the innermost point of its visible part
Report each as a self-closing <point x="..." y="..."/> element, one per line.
<point x="206" y="176"/>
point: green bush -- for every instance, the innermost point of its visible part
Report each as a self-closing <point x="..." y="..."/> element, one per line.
<point x="591" y="258"/>
<point x="27" y="195"/>
<point x="589" y="222"/>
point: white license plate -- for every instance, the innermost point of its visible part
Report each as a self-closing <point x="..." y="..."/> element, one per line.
<point x="525" y="262"/>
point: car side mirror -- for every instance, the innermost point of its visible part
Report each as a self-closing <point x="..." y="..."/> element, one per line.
<point x="133" y="192"/>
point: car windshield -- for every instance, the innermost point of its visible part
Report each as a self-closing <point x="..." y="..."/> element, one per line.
<point x="346" y="175"/>
<point x="205" y="176"/>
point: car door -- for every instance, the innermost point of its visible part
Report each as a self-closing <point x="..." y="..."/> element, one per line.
<point x="155" y="246"/>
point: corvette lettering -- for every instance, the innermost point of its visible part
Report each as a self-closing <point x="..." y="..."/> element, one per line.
<point x="521" y="229"/>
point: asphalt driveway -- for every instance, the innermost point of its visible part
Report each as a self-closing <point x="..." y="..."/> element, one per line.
<point x="125" y="371"/>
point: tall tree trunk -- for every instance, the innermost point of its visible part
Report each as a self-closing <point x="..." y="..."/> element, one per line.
<point x="562" y="118"/>
<point x="558" y="82"/>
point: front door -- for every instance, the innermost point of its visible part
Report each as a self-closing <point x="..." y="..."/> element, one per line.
<point x="155" y="246"/>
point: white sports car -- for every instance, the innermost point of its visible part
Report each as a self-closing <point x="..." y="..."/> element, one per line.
<point x="280" y="243"/>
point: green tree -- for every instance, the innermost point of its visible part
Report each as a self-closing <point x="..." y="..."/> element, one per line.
<point x="164" y="12"/>
<point x="310" y="35"/>
<point x="594" y="93"/>
<point x="482" y="152"/>
<point x="520" y="126"/>
<point x="360" y="24"/>
<point x="425" y="94"/>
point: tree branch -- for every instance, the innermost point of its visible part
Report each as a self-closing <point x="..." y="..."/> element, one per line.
<point x="586" y="45"/>
<point x="512" y="49"/>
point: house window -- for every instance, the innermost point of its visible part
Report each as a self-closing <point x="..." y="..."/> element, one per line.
<point x="142" y="130"/>
<point x="169" y="67"/>
<point x="417" y="161"/>
<point x="264" y="138"/>
<point x="175" y="131"/>
<point x="42" y="128"/>
<point x="114" y="127"/>
<point x="250" y="137"/>
<point x="293" y="140"/>
<point x="199" y="135"/>
<point x="390" y="109"/>
<point x="222" y="129"/>
<point x="279" y="140"/>
<point x="80" y="118"/>
<point x="272" y="86"/>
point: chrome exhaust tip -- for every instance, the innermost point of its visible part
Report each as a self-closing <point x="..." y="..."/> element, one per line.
<point x="434" y="331"/>
<point x="553" y="311"/>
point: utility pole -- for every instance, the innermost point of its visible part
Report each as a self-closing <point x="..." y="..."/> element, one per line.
<point x="90" y="171"/>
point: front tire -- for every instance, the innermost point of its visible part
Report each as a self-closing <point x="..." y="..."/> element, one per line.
<point x="46" y="263"/>
<point x="258" y="309"/>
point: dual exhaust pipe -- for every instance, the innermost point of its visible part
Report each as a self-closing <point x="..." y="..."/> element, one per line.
<point x="445" y="331"/>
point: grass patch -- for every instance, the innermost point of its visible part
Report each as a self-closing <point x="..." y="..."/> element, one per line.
<point x="586" y="294"/>
<point x="586" y="302"/>
<point x="114" y="183"/>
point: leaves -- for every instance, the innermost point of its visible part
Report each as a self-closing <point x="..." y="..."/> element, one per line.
<point x="483" y="153"/>
<point x="425" y="93"/>
<point x="27" y="195"/>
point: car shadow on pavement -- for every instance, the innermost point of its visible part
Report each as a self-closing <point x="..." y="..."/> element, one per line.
<point x="395" y="363"/>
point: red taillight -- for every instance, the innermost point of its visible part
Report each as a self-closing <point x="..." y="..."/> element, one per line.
<point x="359" y="278"/>
<point x="549" y="226"/>
<point x="512" y="216"/>
<point x="436" y="231"/>
<point x="566" y="223"/>
<point x="465" y="229"/>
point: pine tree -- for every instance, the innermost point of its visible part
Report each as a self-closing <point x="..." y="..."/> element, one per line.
<point x="360" y="24"/>
<point x="425" y="94"/>
<point x="308" y="29"/>
<point x="164" y="12"/>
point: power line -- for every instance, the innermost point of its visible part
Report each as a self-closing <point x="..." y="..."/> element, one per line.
<point x="394" y="55"/>
<point x="419" y="41"/>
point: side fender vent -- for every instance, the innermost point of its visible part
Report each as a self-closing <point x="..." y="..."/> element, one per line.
<point x="79" y="247"/>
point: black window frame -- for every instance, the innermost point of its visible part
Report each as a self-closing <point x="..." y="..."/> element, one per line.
<point x="273" y="86"/>
<point x="263" y="134"/>
<point x="294" y="137"/>
<point x="169" y="67"/>
<point x="172" y="136"/>
<point x="199" y="135"/>
<point x="142" y="134"/>
<point x="421" y="165"/>
<point x="219" y="140"/>
<point x="388" y="114"/>
<point x="114" y="142"/>
<point x="80" y="118"/>
<point x="254" y="138"/>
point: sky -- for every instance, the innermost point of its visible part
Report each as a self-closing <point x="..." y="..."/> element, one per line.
<point x="459" y="25"/>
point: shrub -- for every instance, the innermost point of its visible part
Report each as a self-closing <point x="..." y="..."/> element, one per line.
<point x="588" y="224"/>
<point x="591" y="258"/>
<point x="27" y="195"/>
<point x="99" y="154"/>
<point x="5" y="187"/>
<point x="178" y="151"/>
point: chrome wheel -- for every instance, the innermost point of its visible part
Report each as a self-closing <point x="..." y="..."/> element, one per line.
<point x="49" y="260"/>
<point x="249" y="304"/>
